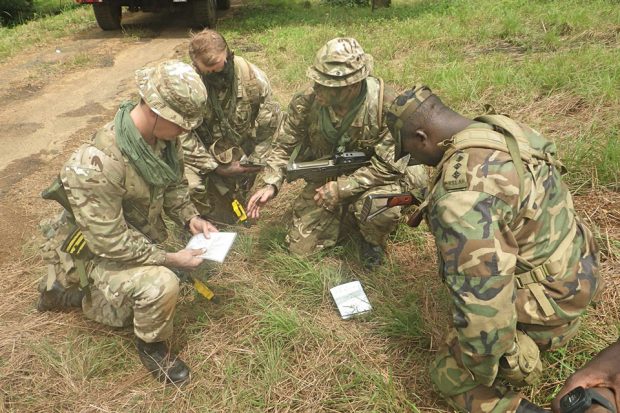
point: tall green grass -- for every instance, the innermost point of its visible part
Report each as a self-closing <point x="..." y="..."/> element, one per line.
<point x="510" y="54"/>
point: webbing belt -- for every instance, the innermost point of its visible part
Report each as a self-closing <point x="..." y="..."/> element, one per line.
<point x="532" y="280"/>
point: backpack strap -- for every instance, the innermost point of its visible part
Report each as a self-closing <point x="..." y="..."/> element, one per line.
<point x="512" y="133"/>
<point x="248" y="78"/>
<point x="380" y="113"/>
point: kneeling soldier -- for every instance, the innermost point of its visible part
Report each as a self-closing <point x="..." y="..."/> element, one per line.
<point x="520" y="265"/>
<point x="114" y="191"/>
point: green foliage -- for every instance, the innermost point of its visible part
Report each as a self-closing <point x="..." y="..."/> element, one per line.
<point x="347" y="3"/>
<point x="19" y="11"/>
<point x="402" y="320"/>
<point x="311" y="279"/>
<point x="44" y="31"/>
<point x="404" y="234"/>
<point x="279" y="325"/>
<point x="15" y="11"/>
<point x="47" y="7"/>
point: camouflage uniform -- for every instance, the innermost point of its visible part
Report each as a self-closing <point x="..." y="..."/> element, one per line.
<point x="340" y="62"/>
<point x="520" y="265"/>
<point x="120" y="214"/>
<point x="255" y="118"/>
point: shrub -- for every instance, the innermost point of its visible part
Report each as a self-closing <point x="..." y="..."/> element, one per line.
<point x="353" y="3"/>
<point x="349" y="3"/>
<point x="15" y="11"/>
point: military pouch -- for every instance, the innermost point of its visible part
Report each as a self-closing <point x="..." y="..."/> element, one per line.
<point x="224" y="154"/>
<point x="521" y="366"/>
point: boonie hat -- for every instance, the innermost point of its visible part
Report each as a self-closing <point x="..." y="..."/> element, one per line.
<point x="340" y="62"/>
<point x="174" y="91"/>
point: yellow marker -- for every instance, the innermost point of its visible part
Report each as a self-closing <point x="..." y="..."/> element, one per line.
<point x="239" y="211"/>
<point x="203" y="289"/>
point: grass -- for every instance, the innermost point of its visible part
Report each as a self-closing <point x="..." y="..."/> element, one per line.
<point x="47" y="7"/>
<point x="273" y="340"/>
<point x="43" y="31"/>
<point x="525" y="52"/>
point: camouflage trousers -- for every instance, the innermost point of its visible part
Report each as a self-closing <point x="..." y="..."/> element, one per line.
<point x="315" y="228"/>
<point x="210" y="202"/>
<point x="143" y="295"/>
<point x="546" y="332"/>
<point x="465" y="394"/>
<point x="119" y="294"/>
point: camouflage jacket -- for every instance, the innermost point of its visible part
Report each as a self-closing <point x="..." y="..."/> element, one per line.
<point x="256" y="119"/>
<point x="368" y="133"/>
<point x="118" y="213"/>
<point x="485" y="238"/>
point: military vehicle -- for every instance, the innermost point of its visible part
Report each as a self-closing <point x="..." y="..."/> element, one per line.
<point x="108" y="13"/>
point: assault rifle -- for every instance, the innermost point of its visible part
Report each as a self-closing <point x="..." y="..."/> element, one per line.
<point x="341" y="164"/>
<point x="386" y="201"/>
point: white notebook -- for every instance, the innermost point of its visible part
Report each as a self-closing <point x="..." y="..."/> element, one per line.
<point x="217" y="246"/>
<point x="350" y="299"/>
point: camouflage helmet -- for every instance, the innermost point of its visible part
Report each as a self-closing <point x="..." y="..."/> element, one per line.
<point x="174" y="91"/>
<point x="408" y="101"/>
<point x="340" y="62"/>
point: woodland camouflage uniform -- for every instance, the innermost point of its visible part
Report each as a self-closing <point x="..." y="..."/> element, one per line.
<point x="340" y="62"/>
<point x="120" y="214"/>
<point x="254" y="117"/>
<point x="520" y="265"/>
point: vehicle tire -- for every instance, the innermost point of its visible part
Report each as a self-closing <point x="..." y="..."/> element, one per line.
<point x="205" y="13"/>
<point x="223" y="4"/>
<point x="108" y="14"/>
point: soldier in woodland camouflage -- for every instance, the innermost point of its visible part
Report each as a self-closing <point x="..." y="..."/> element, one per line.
<point x="117" y="188"/>
<point x="240" y="119"/>
<point x="520" y="265"/>
<point x="343" y="111"/>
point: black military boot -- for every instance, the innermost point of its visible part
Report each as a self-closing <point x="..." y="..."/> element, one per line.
<point x="372" y="255"/>
<point x="60" y="298"/>
<point x="528" y="407"/>
<point x="163" y="365"/>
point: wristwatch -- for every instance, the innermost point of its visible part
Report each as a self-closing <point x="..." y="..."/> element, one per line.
<point x="580" y="400"/>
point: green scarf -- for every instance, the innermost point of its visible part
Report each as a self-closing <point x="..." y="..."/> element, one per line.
<point x="155" y="171"/>
<point x="215" y="83"/>
<point x="339" y="137"/>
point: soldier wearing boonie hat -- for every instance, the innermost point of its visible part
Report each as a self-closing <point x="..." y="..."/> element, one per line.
<point x="173" y="91"/>
<point x="340" y="62"/>
<point x="104" y="252"/>
<point x="519" y="263"/>
<point x="343" y="111"/>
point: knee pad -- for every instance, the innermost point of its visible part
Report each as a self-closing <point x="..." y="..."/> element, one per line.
<point x="521" y="366"/>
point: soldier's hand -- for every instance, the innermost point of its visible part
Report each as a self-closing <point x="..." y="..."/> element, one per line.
<point x="198" y="225"/>
<point x="184" y="259"/>
<point x="327" y="196"/>
<point x="235" y="168"/>
<point x="603" y="371"/>
<point x="260" y="198"/>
